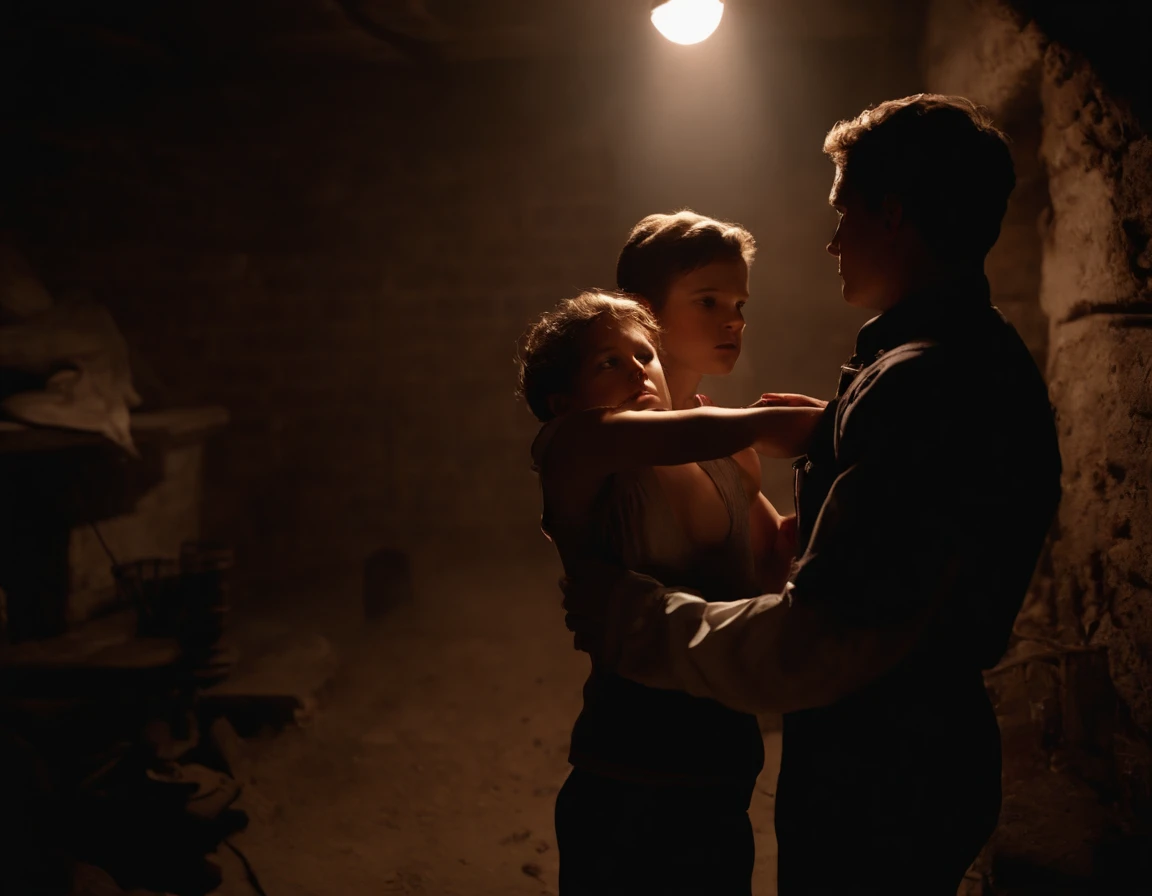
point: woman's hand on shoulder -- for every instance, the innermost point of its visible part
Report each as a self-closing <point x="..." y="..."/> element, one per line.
<point x="788" y="400"/>
<point x="791" y="437"/>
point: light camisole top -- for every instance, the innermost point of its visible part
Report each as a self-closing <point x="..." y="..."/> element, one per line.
<point x="626" y="730"/>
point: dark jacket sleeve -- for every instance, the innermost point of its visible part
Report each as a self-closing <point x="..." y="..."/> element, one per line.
<point x="883" y="559"/>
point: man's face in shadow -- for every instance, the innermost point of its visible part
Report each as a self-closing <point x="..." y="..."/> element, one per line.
<point x="869" y="244"/>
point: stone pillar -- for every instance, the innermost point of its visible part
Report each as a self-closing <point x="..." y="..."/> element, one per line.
<point x="1074" y="697"/>
<point x="1096" y="292"/>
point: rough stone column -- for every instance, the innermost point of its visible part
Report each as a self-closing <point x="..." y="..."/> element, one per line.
<point x="1096" y="291"/>
<point x="1074" y="697"/>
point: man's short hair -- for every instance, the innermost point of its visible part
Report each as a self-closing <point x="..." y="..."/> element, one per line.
<point x="942" y="157"/>
<point x="662" y="247"/>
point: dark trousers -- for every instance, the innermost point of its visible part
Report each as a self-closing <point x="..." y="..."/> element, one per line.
<point x="898" y="805"/>
<point x="618" y="838"/>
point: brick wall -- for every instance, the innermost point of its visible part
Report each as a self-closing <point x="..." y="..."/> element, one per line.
<point x="345" y="257"/>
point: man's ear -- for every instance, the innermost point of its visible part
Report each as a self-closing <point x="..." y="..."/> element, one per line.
<point x="891" y="213"/>
<point x="559" y="404"/>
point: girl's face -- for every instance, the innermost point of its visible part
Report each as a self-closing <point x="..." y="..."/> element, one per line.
<point x="620" y="370"/>
<point x="703" y="318"/>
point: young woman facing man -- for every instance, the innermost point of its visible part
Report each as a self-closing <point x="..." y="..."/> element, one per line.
<point x="658" y="797"/>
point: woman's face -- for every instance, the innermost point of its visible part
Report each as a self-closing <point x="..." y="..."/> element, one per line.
<point x="620" y="370"/>
<point x="703" y="318"/>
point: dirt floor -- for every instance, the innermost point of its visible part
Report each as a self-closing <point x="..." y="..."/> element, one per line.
<point x="433" y="759"/>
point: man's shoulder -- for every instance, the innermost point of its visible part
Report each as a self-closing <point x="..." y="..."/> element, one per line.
<point x="915" y="369"/>
<point x="912" y="393"/>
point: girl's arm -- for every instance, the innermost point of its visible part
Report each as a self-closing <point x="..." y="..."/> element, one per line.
<point x="772" y="550"/>
<point x="602" y="441"/>
<point x="772" y="547"/>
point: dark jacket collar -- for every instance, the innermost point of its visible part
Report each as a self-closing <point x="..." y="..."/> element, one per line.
<point x="942" y="312"/>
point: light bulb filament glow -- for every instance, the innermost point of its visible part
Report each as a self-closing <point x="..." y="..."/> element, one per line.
<point x="687" y="21"/>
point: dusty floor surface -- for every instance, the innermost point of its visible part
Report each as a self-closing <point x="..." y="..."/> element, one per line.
<point x="433" y="761"/>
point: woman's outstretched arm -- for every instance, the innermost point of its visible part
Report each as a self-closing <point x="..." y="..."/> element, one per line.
<point x="602" y="441"/>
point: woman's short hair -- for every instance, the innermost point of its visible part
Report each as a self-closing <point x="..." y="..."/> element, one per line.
<point x="662" y="247"/>
<point x="553" y="347"/>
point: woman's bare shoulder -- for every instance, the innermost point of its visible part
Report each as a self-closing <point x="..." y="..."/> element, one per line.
<point x="569" y="484"/>
<point x="560" y="443"/>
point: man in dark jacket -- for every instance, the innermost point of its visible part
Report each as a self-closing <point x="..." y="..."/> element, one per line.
<point x="923" y="504"/>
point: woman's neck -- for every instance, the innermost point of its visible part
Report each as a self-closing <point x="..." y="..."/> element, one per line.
<point x="682" y="386"/>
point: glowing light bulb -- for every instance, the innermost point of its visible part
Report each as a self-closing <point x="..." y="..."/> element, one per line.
<point x="687" y="21"/>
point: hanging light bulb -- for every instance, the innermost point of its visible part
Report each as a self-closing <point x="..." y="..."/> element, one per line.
<point x="687" y="21"/>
